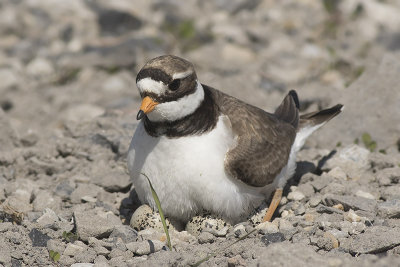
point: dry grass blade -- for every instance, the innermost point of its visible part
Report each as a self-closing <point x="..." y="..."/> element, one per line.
<point x="222" y="249"/>
<point x="158" y="204"/>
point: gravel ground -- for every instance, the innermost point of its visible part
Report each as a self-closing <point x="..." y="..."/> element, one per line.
<point x="69" y="101"/>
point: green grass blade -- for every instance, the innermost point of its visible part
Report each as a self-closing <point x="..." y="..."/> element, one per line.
<point x="158" y="204"/>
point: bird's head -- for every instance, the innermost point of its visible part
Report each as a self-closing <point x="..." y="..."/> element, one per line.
<point x="169" y="89"/>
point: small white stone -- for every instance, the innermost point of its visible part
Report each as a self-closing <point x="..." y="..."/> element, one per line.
<point x="284" y="214"/>
<point x="8" y="78"/>
<point x="73" y="249"/>
<point x="267" y="227"/>
<point x="351" y="216"/>
<point x="338" y="173"/>
<point x="296" y="195"/>
<point x="364" y="194"/>
<point x="39" y="67"/>
<point x="285" y="225"/>
<point x="49" y="217"/>
<point x="89" y="199"/>
<point x="145" y="247"/>
<point x="339" y="234"/>
<point x="284" y="200"/>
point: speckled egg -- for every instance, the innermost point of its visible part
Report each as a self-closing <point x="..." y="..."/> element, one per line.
<point x="144" y="217"/>
<point x="217" y="226"/>
<point x="257" y="216"/>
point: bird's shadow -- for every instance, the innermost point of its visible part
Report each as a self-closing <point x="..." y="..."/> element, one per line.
<point x="304" y="167"/>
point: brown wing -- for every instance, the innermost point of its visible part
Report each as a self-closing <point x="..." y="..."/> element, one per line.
<point x="263" y="141"/>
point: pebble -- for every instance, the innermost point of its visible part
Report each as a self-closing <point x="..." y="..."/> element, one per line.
<point x="381" y="161"/>
<point x="236" y="261"/>
<point x="389" y="208"/>
<point x="376" y="239"/>
<point x="348" y="158"/>
<point x="85" y="256"/>
<point x="101" y="250"/>
<point x="333" y="239"/>
<point x="351" y="216"/>
<point x="324" y="209"/>
<point x="206" y="237"/>
<point x="314" y="201"/>
<point x="66" y="260"/>
<point x="73" y="249"/>
<point x="391" y="192"/>
<point x="126" y="233"/>
<point x="338" y="173"/>
<point x="296" y="195"/>
<point x="286" y="228"/>
<point x="39" y="67"/>
<point x="96" y="223"/>
<point x="82" y="265"/>
<point x="270" y="238"/>
<point x="338" y="206"/>
<point x="44" y="199"/>
<point x="339" y="234"/>
<point x="307" y="190"/>
<point x="351" y="202"/>
<point x="361" y="193"/>
<point x="8" y="78"/>
<point x="48" y="219"/>
<point x="388" y="176"/>
<point x="101" y="261"/>
<point x="321" y="182"/>
<point x="101" y="173"/>
<point x="300" y="210"/>
<point x="38" y="238"/>
<point x="84" y="191"/>
<point x="267" y="227"/>
<point x="29" y="139"/>
<point x="145" y="247"/>
<point x="64" y="189"/>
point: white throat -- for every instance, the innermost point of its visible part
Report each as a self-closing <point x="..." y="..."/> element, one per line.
<point x="175" y="110"/>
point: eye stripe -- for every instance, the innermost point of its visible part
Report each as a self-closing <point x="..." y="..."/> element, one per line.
<point x="154" y="74"/>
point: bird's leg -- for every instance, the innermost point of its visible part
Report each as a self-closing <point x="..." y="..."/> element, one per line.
<point x="273" y="205"/>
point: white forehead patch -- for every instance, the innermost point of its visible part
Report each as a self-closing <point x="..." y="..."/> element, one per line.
<point x="151" y="86"/>
<point x="181" y="75"/>
<point x="175" y="110"/>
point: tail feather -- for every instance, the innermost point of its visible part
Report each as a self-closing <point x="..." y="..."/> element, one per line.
<point x="319" y="117"/>
<point x="288" y="110"/>
<point x="311" y="122"/>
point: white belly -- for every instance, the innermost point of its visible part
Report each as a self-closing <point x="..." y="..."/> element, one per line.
<point x="188" y="174"/>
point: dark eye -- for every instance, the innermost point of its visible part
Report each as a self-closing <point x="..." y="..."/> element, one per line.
<point x="174" y="85"/>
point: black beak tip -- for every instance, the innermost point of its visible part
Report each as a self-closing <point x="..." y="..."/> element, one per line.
<point x="140" y="115"/>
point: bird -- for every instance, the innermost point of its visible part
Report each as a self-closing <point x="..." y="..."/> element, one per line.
<point x="204" y="150"/>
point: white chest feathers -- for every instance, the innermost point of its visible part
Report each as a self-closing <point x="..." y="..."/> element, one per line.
<point x="188" y="173"/>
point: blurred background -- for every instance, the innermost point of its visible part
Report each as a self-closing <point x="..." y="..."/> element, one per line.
<point x="75" y="60"/>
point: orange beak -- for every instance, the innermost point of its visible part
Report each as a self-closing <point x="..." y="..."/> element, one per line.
<point x="147" y="106"/>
